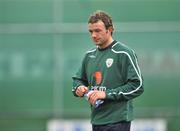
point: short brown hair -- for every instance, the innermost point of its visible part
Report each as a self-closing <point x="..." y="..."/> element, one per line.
<point x="103" y="16"/>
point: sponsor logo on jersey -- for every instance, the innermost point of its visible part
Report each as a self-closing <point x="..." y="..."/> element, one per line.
<point x="98" y="77"/>
<point x="109" y="62"/>
<point x="100" y="88"/>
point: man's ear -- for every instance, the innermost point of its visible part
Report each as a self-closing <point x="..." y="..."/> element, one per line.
<point x="111" y="29"/>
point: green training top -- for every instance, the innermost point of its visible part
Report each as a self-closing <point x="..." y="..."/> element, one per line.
<point x="114" y="70"/>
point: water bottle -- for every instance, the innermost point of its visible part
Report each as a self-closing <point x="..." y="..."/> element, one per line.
<point x="97" y="103"/>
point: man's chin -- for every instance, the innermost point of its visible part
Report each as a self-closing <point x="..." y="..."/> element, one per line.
<point x="97" y="43"/>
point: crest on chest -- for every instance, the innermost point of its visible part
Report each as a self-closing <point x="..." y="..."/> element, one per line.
<point x="109" y="62"/>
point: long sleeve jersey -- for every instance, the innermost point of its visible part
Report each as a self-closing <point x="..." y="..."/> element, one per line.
<point x="114" y="70"/>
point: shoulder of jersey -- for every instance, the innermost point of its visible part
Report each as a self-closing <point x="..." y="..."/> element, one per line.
<point x="91" y="50"/>
<point x="120" y="47"/>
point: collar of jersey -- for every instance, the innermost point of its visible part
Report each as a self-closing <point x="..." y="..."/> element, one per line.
<point x="108" y="46"/>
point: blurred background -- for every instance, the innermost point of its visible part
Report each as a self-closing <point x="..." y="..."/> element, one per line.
<point x="42" y="43"/>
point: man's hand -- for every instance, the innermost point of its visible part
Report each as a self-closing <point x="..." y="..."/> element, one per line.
<point x="81" y="90"/>
<point x="96" y="95"/>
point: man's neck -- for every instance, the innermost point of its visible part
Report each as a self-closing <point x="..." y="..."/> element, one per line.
<point x="107" y="43"/>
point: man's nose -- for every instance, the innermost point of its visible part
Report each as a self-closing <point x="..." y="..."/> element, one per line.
<point x="93" y="34"/>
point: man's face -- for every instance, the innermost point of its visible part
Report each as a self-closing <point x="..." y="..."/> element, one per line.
<point x="99" y="33"/>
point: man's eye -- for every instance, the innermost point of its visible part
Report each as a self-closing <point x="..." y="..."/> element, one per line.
<point x="97" y="30"/>
<point x="90" y="31"/>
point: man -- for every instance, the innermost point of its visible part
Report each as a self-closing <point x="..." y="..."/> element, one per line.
<point x="111" y="75"/>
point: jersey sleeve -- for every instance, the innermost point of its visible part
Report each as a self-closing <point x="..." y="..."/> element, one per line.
<point x="79" y="78"/>
<point x="133" y="82"/>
